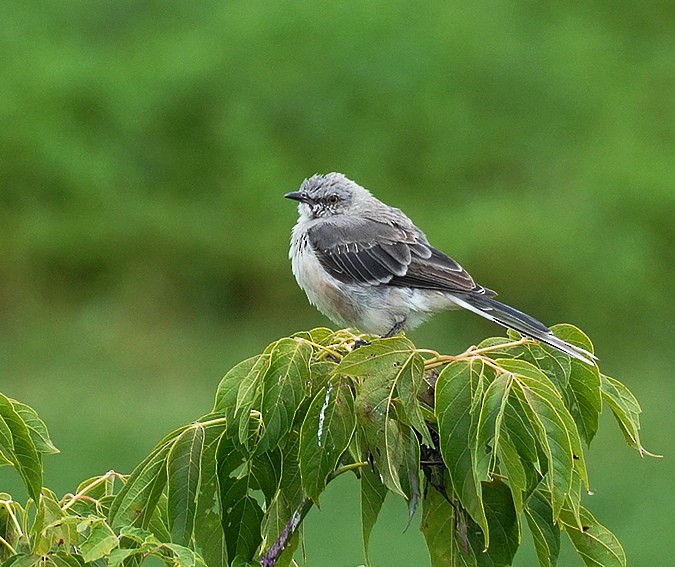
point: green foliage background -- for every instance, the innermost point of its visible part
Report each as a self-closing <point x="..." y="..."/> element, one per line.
<point x="145" y="147"/>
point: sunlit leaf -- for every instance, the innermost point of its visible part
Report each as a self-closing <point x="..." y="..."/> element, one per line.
<point x="180" y="556"/>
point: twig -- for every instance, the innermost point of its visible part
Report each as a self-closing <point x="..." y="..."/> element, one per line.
<point x="438" y="359"/>
<point x="271" y="557"/>
<point x="81" y="495"/>
<point x="11" y="550"/>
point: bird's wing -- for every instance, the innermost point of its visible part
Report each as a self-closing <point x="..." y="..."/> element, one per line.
<point x="369" y="252"/>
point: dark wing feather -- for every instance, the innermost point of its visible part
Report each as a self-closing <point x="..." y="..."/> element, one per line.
<point x="441" y="273"/>
<point x="386" y="254"/>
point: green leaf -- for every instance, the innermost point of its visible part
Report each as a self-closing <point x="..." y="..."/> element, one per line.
<point x="64" y="560"/>
<point x="24" y="561"/>
<point x="554" y="425"/>
<point x="228" y="389"/>
<point x="320" y="373"/>
<point x="373" y="494"/>
<point x="378" y="433"/>
<point x="135" y="503"/>
<point x="440" y="529"/>
<point x="24" y="454"/>
<point x="325" y="435"/>
<point x="410" y="383"/>
<point x="36" y="428"/>
<point x="284" y="386"/>
<point x="180" y="556"/>
<point x="573" y="335"/>
<point x="287" y="501"/>
<point x="117" y="557"/>
<point x="456" y="387"/>
<point x="586" y="402"/>
<point x="597" y="546"/>
<point x="503" y="525"/>
<point x="184" y="477"/>
<point x="250" y="388"/>
<point x="265" y="471"/>
<point x="209" y="534"/>
<point x="319" y="335"/>
<point x="241" y="517"/>
<point x="410" y="469"/>
<point x="489" y="426"/>
<point x="10" y="530"/>
<point x="520" y="431"/>
<point x="626" y="410"/>
<point x="53" y="526"/>
<point x="100" y="541"/>
<point x="380" y="357"/>
<point x="545" y="533"/>
<point x="513" y="469"/>
<point x="552" y="362"/>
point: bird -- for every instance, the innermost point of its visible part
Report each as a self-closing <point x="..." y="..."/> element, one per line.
<point x="365" y="265"/>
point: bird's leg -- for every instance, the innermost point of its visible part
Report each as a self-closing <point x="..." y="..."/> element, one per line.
<point x="395" y="329"/>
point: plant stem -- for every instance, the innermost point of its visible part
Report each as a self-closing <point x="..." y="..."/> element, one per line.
<point x="346" y="468"/>
<point x="271" y="557"/>
<point x="441" y="359"/>
<point x="215" y="421"/>
<point x="4" y="542"/>
<point x="81" y="494"/>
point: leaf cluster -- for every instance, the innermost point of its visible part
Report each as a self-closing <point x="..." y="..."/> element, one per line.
<point x="486" y="443"/>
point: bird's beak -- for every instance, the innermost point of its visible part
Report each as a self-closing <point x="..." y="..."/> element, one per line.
<point x="296" y="196"/>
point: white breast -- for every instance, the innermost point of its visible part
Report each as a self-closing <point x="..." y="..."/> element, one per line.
<point x="326" y="293"/>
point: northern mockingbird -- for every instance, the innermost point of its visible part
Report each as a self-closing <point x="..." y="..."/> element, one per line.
<point x="365" y="264"/>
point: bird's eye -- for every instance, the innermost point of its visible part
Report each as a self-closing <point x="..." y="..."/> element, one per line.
<point x="333" y="199"/>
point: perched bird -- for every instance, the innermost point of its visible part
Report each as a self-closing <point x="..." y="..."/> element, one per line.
<point x="365" y="264"/>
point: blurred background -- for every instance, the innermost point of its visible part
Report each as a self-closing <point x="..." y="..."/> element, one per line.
<point x="145" y="148"/>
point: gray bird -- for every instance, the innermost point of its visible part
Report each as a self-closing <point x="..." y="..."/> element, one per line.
<point x="365" y="264"/>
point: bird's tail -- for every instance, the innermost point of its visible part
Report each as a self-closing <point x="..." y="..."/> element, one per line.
<point x="511" y="318"/>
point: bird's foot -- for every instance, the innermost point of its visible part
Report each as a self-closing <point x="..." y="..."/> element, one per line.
<point x="398" y="326"/>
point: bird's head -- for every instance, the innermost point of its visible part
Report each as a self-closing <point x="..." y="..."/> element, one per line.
<point x="328" y="195"/>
